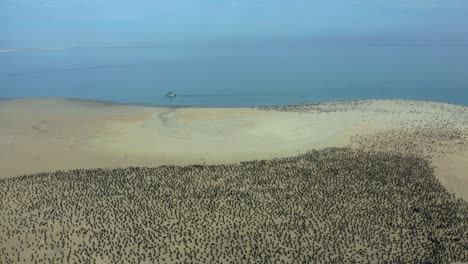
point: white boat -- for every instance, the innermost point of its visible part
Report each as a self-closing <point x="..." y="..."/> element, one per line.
<point x="170" y="94"/>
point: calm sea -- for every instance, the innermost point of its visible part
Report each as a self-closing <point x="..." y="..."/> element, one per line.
<point x="240" y="76"/>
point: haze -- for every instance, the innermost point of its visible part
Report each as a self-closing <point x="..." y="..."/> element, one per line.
<point x="103" y="23"/>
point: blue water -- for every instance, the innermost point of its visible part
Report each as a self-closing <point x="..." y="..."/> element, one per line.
<point x="238" y="76"/>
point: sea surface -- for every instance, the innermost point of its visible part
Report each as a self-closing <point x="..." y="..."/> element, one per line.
<point x="238" y="76"/>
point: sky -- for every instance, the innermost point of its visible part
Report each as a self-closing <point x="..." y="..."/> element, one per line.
<point x="56" y="24"/>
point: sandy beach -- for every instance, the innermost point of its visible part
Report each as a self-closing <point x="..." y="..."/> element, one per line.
<point x="61" y="134"/>
<point x="376" y="181"/>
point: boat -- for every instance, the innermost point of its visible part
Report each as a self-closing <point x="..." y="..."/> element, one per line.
<point x="170" y="94"/>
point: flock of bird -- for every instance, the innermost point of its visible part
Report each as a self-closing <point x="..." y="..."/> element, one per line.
<point x="335" y="205"/>
<point x="378" y="202"/>
<point x="435" y="129"/>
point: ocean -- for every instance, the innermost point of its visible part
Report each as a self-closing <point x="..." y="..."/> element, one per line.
<point x="238" y="76"/>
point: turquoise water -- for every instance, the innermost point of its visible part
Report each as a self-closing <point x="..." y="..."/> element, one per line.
<point x="238" y="76"/>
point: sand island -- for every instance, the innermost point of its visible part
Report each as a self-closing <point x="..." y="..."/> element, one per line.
<point x="372" y="181"/>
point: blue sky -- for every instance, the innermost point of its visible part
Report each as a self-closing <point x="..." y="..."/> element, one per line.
<point x="70" y="23"/>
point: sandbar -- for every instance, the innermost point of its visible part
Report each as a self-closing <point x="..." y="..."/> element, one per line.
<point x="48" y="134"/>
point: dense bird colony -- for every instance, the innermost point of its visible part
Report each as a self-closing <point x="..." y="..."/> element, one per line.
<point x="335" y="205"/>
<point x="422" y="141"/>
<point x="322" y="107"/>
<point x="428" y="129"/>
<point x="379" y="106"/>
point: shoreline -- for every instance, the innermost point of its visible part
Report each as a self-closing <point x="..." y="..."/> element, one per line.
<point x="110" y="102"/>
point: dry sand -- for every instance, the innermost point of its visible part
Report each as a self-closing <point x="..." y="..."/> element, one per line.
<point x="59" y="134"/>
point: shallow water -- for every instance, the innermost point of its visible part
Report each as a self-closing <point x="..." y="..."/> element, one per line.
<point x="238" y="76"/>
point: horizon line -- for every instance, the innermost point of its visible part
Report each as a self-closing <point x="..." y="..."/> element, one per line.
<point x="237" y="45"/>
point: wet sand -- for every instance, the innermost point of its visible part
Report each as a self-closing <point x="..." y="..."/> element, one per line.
<point x="58" y="134"/>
